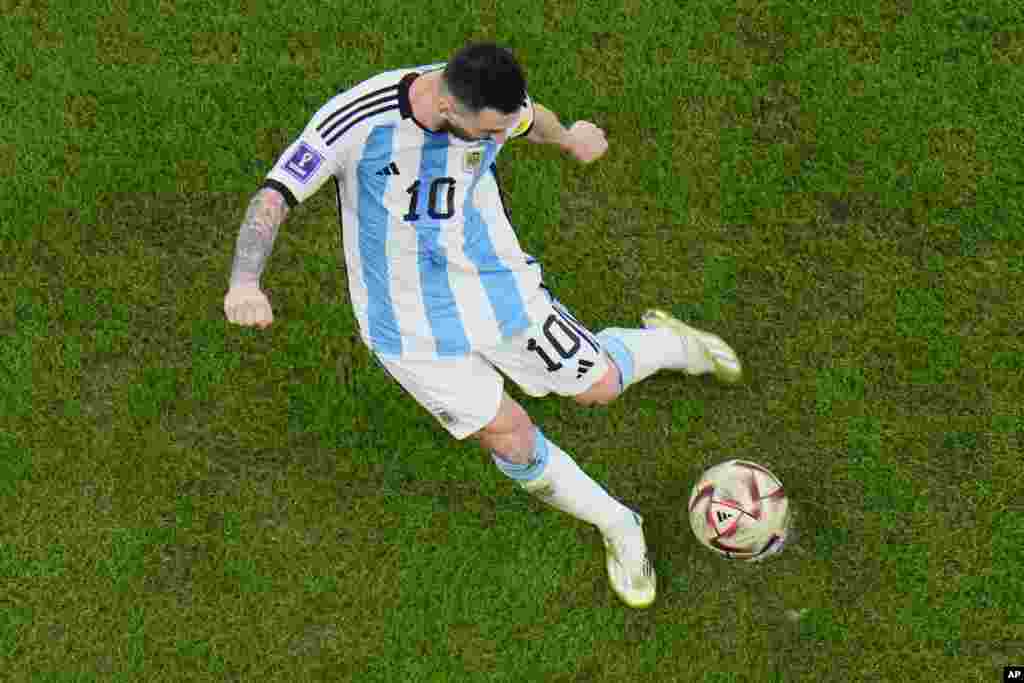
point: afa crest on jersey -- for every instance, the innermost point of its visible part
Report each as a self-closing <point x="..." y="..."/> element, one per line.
<point x="472" y="160"/>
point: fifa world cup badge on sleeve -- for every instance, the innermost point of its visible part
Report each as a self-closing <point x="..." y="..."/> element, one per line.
<point x="303" y="163"/>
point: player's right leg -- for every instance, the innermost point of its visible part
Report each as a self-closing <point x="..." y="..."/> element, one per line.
<point x="465" y="394"/>
<point x="540" y="467"/>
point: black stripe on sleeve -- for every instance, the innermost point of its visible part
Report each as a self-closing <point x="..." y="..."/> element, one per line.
<point x="369" y="96"/>
<point x="326" y="130"/>
<point x="280" y="187"/>
<point x="334" y="138"/>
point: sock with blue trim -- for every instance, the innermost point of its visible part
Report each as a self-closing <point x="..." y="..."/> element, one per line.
<point x="639" y="353"/>
<point x="556" y="479"/>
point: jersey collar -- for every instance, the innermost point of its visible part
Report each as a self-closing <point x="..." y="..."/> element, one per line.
<point x="405" y="105"/>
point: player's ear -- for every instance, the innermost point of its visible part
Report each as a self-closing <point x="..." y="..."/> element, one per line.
<point x="445" y="105"/>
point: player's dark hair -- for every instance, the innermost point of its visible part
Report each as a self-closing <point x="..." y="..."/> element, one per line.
<point x="484" y="75"/>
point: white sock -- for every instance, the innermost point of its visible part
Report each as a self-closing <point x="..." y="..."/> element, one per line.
<point x="639" y="353"/>
<point x="556" y="479"/>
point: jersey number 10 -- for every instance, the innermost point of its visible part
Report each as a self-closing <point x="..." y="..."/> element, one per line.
<point x="437" y="194"/>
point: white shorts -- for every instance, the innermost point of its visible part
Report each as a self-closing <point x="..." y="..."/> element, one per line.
<point x="558" y="356"/>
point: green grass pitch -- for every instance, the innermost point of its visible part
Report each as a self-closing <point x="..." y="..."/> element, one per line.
<point x="836" y="188"/>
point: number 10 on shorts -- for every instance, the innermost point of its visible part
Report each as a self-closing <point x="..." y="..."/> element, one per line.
<point x="564" y="336"/>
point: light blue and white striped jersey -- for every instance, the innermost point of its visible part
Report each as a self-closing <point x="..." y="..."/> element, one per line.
<point x="434" y="266"/>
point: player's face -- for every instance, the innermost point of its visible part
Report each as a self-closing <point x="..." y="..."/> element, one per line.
<point x="487" y="124"/>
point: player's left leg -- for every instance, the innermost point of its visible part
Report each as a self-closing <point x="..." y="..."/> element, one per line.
<point x="628" y="356"/>
<point x="604" y="390"/>
<point x="666" y="343"/>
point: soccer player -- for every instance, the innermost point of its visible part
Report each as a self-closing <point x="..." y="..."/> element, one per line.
<point x="444" y="296"/>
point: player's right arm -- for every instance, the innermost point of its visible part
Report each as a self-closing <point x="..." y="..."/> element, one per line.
<point x="245" y="303"/>
<point x="303" y="168"/>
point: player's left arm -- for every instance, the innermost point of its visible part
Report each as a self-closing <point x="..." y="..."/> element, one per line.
<point x="583" y="140"/>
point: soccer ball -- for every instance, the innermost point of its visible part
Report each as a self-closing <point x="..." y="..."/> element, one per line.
<point x="739" y="510"/>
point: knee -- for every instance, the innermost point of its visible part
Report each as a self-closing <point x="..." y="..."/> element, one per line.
<point x="511" y="434"/>
<point x="604" y="391"/>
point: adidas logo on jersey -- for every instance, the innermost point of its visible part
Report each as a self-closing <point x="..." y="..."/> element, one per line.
<point x="391" y="169"/>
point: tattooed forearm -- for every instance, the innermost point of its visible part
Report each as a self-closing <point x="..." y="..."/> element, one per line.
<point x="266" y="212"/>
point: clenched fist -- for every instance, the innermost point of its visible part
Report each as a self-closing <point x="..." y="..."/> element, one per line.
<point x="586" y="141"/>
<point x="247" y="305"/>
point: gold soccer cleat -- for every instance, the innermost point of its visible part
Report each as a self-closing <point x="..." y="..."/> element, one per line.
<point x="723" y="362"/>
<point x="629" y="571"/>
